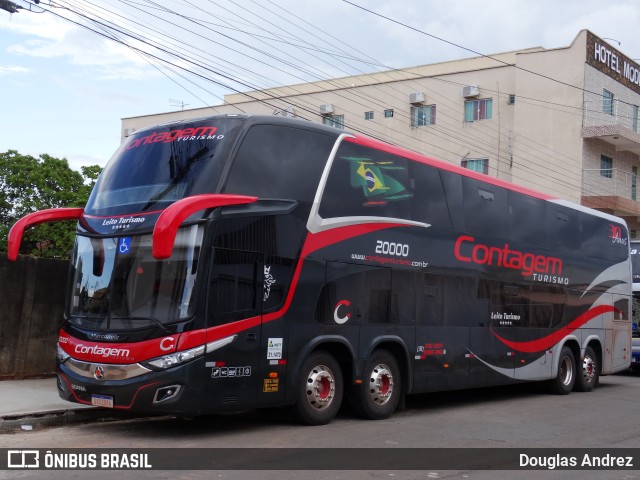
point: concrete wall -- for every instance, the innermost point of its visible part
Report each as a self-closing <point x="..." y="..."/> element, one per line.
<point x="31" y="305"/>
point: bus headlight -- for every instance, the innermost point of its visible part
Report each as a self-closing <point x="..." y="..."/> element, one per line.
<point x="62" y="355"/>
<point x="174" y="359"/>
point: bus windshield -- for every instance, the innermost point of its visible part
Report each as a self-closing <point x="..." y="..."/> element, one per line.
<point x="117" y="284"/>
<point x="158" y="166"/>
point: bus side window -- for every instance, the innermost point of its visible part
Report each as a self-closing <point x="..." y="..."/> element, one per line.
<point x="429" y="203"/>
<point x="367" y="182"/>
<point x="547" y="306"/>
<point x="485" y="208"/>
<point x="276" y="162"/>
<point x="563" y="231"/>
<point x="534" y="210"/>
<point x="355" y="294"/>
<point x="405" y="287"/>
<point x="235" y="288"/>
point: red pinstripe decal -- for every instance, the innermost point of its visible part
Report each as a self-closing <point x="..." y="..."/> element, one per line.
<point x="552" y="339"/>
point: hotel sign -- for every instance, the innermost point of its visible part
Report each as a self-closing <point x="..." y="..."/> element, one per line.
<point x="611" y="62"/>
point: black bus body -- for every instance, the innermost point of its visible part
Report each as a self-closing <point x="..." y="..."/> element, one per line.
<point x="237" y="261"/>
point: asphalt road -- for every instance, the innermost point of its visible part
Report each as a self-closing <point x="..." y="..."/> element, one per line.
<point x="519" y="417"/>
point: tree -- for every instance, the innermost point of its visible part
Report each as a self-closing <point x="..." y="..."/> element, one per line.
<point x="29" y="184"/>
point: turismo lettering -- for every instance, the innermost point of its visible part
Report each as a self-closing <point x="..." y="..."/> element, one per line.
<point x="200" y="133"/>
<point x="528" y="263"/>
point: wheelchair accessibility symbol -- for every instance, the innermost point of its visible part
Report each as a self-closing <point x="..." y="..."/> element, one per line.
<point x="124" y="245"/>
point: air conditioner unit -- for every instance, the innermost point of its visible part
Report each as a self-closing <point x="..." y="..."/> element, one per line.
<point x="128" y="131"/>
<point x="326" y="109"/>
<point x="470" y="91"/>
<point x="416" y="97"/>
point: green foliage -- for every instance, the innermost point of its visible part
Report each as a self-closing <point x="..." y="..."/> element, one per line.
<point x="29" y="184"/>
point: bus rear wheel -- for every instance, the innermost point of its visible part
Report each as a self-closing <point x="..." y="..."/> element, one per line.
<point x="587" y="377"/>
<point x="320" y="389"/>
<point x="378" y="395"/>
<point x="566" y="377"/>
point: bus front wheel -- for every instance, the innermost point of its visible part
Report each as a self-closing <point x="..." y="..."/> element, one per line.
<point x="377" y="396"/>
<point x="587" y="377"/>
<point x="320" y="389"/>
<point x="563" y="383"/>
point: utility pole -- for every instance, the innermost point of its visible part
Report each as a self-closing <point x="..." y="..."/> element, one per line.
<point x="175" y="103"/>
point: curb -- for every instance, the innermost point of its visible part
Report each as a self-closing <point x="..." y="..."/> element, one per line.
<point x="26" y="422"/>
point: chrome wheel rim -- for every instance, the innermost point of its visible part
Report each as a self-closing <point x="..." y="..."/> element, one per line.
<point x="320" y="388"/>
<point x="381" y="384"/>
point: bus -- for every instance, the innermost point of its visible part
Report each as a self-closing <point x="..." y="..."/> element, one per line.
<point x="635" y="330"/>
<point x="238" y="261"/>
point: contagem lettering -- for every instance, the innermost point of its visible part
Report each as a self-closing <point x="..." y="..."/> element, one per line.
<point x="466" y="250"/>
<point x="168" y="137"/>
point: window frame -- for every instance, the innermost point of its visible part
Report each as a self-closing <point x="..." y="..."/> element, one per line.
<point x="607" y="101"/>
<point x="427" y="118"/>
<point x="465" y="163"/>
<point x="606" y="171"/>
<point x="335" y="121"/>
<point x="478" y="109"/>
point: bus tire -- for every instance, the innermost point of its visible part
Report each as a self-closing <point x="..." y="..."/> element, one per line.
<point x="378" y="395"/>
<point x="566" y="377"/>
<point x="320" y="389"/>
<point x="587" y="375"/>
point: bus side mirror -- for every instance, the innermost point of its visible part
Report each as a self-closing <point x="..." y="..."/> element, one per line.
<point x="35" y="218"/>
<point x="164" y="233"/>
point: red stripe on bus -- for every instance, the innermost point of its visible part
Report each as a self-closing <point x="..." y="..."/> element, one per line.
<point x="552" y="339"/>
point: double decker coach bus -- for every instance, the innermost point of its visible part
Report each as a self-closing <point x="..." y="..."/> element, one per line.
<point x="240" y="261"/>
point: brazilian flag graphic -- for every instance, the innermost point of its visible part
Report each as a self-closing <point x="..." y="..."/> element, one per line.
<point x="377" y="179"/>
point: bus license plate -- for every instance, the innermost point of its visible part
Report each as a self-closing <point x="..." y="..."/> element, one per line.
<point x="102" y="401"/>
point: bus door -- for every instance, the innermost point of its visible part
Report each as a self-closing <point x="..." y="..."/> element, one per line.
<point x="446" y="306"/>
<point x="234" y="329"/>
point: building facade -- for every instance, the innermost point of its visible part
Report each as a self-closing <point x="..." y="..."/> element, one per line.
<point x="562" y="121"/>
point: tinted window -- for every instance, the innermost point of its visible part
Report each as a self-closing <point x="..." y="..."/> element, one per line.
<point x="526" y="215"/>
<point x="280" y="162"/>
<point x="235" y="286"/>
<point x="368" y="182"/>
<point x="157" y="167"/>
<point x="485" y="207"/>
<point x="360" y="292"/>
<point x="563" y="229"/>
<point x="603" y="238"/>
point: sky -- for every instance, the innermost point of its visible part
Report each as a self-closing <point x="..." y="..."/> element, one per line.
<point x="71" y="70"/>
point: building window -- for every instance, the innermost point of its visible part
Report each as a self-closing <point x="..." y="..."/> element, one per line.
<point x="478" y="109"/>
<point x="388" y="113"/>
<point x="368" y="115"/>
<point x="606" y="166"/>
<point x="512" y="99"/>
<point x="634" y="119"/>
<point x="423" y="115"/>
<point x="607" y="102"/>
<point x="336" y="121"/>
<point x="480" y="165"/>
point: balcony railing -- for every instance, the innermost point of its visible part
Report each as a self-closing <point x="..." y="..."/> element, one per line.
<point x="609" y="183"/>
<point x="611" y="190"/>
<point x="620" y="113"/>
